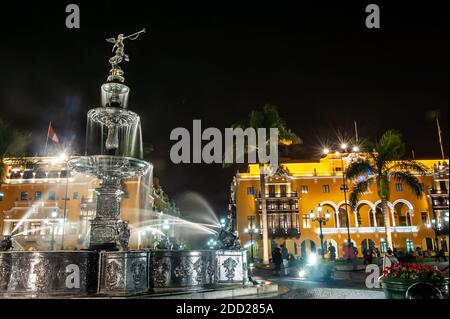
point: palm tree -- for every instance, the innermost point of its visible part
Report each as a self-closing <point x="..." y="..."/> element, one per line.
<point x="267" y="118"/>
<point x="13" y="143"/>
<point x="381" y="162"/>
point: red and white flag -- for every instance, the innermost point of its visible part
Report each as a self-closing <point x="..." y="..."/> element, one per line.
<point x="52" y="135"/>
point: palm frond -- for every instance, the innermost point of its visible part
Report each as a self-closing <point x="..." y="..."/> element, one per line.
<point x="409" y="180"/>
<point x="390" y="147"/>
<point x="361" y="167"/>
<point x="358" y="189"/>
<point x="412" y="167"/>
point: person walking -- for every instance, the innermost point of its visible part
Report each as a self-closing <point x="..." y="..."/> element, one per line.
<point x="285" y="256"/>
<point x="277" y="260"/>
<point x="332" y="251"/>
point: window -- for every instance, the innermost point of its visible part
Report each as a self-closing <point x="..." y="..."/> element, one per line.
<point x="37" y="195"/>
<point x="429" y="243"/>
<point x="283" y="190"/>
<point x="271" y="190"/>
<point x="325" y="188"/>
<point x="399" y="187"/>
<point x="409" y="246"/>
<point x="424" y="218"/>
<point x="34" y="228"/>
<point x="306" y="221"/>
<point x="51" y="196"/>
<point x="125" y="194"/>
<point x="383" y="245"/>
<point x="75" y="195"/>
<point x="1" y="196"/>
<point x="304" y="189"/>
<point x="24" y="196"/>
<point x="251" y="221"/>
<point x="250" y="190"/>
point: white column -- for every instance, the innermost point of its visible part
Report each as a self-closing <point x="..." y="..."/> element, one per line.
<point x="374" y="212"/>
<point x="356" y="218"/>
<point x="336" y="216"/>
<point x="393" y="217"/>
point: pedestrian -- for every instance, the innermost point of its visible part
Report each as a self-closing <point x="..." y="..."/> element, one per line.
<point x="442" y="255"/>
<point x="274" y="249"/>
<point x="367" y="254"/>
<point x="285" y="256"/>
<point x="377" y="252"/>
<point x="277" y="260"/>
<point x="332" y="251"/>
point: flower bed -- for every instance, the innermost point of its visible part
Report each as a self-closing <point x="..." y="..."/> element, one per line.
<point x="398" y="278"/>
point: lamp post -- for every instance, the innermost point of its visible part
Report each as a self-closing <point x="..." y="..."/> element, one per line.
<point x="344" y="187"/>
<point x="53" y="222"/>
<point x="322" y="219"/>
<point x="251" y="230"/>
<point x="64" y="158"/>
<point x="437" y="223"/>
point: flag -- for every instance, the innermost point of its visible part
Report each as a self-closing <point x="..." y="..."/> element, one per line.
<point x="52" y="135"/>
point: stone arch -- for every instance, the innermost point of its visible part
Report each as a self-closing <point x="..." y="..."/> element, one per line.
<point x="364" y="219"/>
<point x="400" y="216"/>
<point x="343" y="216"/>
<point x="307" y="247"/>
<point x="333" y="219"/>
<point x="378" y="202"/>
<point x="377" y="205"/>
<point x="335" y="245"/>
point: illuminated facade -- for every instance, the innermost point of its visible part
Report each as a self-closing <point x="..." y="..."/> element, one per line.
<point x="33" y="190"/>
<point x="297" y="188"/>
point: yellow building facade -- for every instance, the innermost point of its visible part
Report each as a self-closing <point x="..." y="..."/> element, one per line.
<point x="34" y="194"/>
<point x="297" y="188"/>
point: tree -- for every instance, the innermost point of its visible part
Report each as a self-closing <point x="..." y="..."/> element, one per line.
<point x="13" y="143"/>
<point x="267" y="118"/>
<point x="381" y="162"/>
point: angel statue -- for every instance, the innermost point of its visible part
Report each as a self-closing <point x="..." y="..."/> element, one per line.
<point x="116" y="72"/>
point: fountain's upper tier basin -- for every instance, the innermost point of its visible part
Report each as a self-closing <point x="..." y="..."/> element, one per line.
<point x="113" y="116"/>
<point x="108" y="166"/>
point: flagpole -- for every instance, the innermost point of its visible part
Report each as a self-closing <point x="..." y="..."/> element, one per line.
<point x="440" y="137"/>
<point x="46" y="140"/>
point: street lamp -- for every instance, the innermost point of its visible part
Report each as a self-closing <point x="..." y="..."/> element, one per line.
<point x="440" y="227"/>
<point x="344" y="187"/>
<point x="322" y="219"/>
<point x="53" y="222"/>
<point x="64" y="157"/>
<point x="251" y="230"/>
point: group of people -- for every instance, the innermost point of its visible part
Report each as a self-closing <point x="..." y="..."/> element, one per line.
<point x="369" y="253"/>
<point x="280" y="256"/>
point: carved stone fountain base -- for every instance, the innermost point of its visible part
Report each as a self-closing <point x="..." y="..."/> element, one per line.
<point x="89" y="273"/>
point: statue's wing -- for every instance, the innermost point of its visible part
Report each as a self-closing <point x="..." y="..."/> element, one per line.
<point x="111" y="40"/>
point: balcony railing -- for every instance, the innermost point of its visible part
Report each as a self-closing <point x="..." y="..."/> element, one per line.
<point x="278" y="195"/>
<point x="369" y="230"/>
<point x="443" y="192"/>
<point x="283" y="232"/>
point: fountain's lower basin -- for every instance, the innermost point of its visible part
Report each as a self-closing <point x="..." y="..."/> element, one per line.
<point x="88" y="273"/>
<point x="109" y="166"/>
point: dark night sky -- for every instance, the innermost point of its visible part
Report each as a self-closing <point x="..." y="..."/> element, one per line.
<point x="319" y="65"/>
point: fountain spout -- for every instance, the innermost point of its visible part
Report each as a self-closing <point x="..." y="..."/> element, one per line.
<point x="112" y="141"/>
